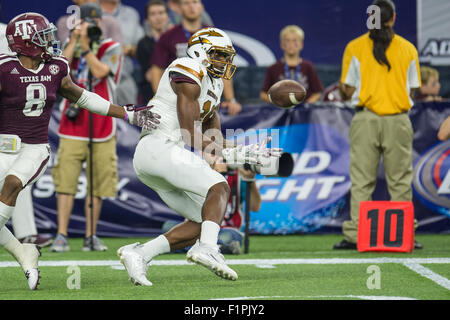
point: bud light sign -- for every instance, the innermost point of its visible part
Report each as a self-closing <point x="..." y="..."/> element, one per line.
<point x="315" y="191"/>
<point x="431" y="182"/>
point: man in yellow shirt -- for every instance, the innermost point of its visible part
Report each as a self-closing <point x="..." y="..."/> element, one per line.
<point x="380" y="71"/>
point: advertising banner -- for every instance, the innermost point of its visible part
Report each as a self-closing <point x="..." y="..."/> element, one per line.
<point x="315" y="198"/>
<point x="433" y="39"/>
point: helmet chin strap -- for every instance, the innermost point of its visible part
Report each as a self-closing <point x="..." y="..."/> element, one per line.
<point x="45" y="56"/>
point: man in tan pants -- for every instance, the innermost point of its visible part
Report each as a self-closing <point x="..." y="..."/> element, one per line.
<point x="371" y="136"/>
<point x="380" y="71"/>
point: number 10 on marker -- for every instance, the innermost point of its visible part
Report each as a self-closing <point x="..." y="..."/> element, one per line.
<point x="386" y="226"/>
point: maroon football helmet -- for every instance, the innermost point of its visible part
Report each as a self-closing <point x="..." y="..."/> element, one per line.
<point x="31" y="34"/>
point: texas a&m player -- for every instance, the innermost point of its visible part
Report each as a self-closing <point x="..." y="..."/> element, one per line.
<point x="30" y="78"/>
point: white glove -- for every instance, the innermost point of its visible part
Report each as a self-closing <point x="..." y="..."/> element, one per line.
<point x="141" y="116"/>
<point x="251" y="154"/>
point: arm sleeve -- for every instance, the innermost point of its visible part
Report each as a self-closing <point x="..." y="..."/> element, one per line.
<point x="350" y="68"/>
<point x="414" y="79"/>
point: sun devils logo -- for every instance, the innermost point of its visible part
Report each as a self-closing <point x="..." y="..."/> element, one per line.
<point x="24" y="29"/>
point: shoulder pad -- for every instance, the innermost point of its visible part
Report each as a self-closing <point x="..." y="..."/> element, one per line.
<point x="190" y="68"/>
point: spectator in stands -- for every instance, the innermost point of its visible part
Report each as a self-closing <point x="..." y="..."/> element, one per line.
<point x="381" y="126"/>
<point x="158" y="22"/>
<point x="110" y="26"/>
<point x="444" y="130"/>
<point x="292" y="66"/>
<point x="175" y="14"/>
<point x="103" y="63"/>
<point x="429" y="91"/>
<point x="132" y="32"/>
<point x="173" y="44"/>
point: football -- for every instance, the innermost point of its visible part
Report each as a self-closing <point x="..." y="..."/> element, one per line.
<point x="286" y="93"/>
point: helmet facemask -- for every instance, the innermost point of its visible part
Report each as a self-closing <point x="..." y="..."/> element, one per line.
<point x="221" y="62"/>
<point x="46" y="38"/>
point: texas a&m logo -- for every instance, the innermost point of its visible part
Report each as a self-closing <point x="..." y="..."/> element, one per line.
<point x="24" y="29"/>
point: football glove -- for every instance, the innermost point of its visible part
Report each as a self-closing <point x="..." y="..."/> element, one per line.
<point x="141" y="116"/>
<point x="251" y="154"/>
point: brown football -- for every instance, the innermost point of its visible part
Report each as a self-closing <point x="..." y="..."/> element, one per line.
<point x="286" y="93"/>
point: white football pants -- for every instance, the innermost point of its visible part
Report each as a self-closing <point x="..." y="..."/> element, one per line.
<point x="181" y="178"/>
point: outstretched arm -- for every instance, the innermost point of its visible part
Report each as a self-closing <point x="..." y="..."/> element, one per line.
<point x="73" y="93"/>
<point x="139" y="116"/>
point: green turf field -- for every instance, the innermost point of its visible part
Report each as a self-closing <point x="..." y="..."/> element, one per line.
<point x="293" y="267"/>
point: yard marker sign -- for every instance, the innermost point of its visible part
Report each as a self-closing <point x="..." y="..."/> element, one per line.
<point x="386" y="226"/>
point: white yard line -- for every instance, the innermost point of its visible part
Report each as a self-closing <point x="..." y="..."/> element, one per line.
<point x="427" y="273"/>
<point x="266" y="262"/>
<point x="415" y="264"/>
<point x="320" y="297"/>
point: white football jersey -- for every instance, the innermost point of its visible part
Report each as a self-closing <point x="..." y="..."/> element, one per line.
<point x="165" y="99"/>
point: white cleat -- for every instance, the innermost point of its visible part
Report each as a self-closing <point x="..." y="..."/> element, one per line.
<point x="135" y="264"/>
<point x="29" y="262"/>
<point x="210" y="257"/>
<point x="33" y="278"/>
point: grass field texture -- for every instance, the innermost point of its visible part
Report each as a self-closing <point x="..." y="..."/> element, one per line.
<point x="292" y="267"/>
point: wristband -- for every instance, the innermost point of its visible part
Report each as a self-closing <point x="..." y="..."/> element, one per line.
<point x="126" y="116"/>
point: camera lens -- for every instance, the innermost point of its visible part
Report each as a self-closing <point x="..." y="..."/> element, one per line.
<point x="93" y="31"/>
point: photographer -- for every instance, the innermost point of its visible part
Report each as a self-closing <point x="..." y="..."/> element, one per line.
<point x="95" y="62"/>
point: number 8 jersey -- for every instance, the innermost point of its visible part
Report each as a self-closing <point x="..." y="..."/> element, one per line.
<point x="27" y="97"/>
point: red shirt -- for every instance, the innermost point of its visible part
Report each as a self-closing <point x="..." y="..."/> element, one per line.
<point x="104" y="127"/>
<point x="307" y="76"/>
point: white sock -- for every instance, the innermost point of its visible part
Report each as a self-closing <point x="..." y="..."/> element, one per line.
<point x="5" y="213"/>
<point x="154" y="247"/>
<point x="210" y="232"/>
<point x="22" y="220"/>
<point x="9" y="242"/>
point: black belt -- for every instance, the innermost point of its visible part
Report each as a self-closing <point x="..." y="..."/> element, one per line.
<point x="361" y="108"/>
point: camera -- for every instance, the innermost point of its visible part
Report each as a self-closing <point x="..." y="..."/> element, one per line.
<point x="272" y="166"/>
<point x="72" y="111"/>
<point x="93" y="30"/>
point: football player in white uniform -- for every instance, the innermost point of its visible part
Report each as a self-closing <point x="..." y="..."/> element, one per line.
<point x="188" y="94"/>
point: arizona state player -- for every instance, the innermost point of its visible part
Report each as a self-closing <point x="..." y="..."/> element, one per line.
<point x="188" y="94"/>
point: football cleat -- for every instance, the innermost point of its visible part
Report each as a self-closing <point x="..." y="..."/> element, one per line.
<point x="135" y="264"/>
<point x="41" y="241"/>
<point x="29" y="263"/>
<point x="210" y="257"/>
<point x="33" y="277"/>
<point x="60" y="244"/>
<point x="94" y="243"/>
